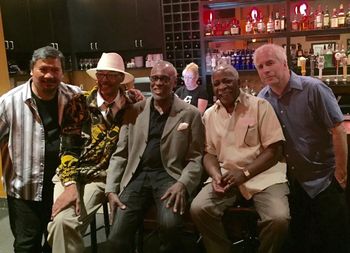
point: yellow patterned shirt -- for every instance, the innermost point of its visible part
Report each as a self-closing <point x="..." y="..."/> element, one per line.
<point x="87" y="140"/>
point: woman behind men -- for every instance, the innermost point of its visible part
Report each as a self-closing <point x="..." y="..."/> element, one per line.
<point x="192" y="93"/>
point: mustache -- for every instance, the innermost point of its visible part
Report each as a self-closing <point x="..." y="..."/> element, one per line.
<point x="49" y="80"/>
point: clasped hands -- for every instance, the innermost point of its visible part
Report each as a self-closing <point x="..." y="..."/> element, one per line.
<point x="232" y="178"/>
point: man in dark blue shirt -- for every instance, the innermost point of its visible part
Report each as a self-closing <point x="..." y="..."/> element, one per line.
<point x="315" y="151"/>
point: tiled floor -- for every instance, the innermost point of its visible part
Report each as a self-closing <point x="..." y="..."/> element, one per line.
<point x="6" y="238"/>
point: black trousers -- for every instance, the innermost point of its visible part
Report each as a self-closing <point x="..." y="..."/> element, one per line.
<point x="319" y="224"/>
<point x="28" y="221"/>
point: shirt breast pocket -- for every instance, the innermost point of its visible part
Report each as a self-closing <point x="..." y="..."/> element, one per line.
<point x="251" y="137"/>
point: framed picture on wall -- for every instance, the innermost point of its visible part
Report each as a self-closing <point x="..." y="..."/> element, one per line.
<point x="318" y="47"/>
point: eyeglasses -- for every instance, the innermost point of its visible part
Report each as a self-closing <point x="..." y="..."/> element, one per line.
<point x="188" y="77"/>
<point x="225" y="81"/>
<point x="108" y="76"/>
<point x="164" y="79"/>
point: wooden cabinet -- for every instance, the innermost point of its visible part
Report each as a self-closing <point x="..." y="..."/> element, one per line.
<point x="50" y="24"/>
<point x="116" y="25"/>
<point x="16" y="24"/>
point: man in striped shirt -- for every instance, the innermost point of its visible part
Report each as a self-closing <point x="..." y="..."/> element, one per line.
<point x="30" y="119"/>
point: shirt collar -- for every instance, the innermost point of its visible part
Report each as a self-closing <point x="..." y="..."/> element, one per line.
<point x="101" y="103"/>
<point x="293" y="83"/>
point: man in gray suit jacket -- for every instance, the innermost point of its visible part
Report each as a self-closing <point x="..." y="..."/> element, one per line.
<point x="158" y="159"/>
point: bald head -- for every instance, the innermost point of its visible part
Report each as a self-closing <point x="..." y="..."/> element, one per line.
<point x="165" y="66"/>
<point x="228" y="69"/>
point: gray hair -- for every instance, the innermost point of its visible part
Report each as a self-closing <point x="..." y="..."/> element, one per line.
<point x="46" y="52"/>
<point x="278" y="51"/>
<point x="227" y="68"/>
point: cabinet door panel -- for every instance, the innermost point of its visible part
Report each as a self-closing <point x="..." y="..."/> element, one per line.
<point x="83" y="23"/>
<point x="120" y="29"/>
<point x="16" y="23"/>
<point x="41" y="23"/>
<point x="149" y="21"/>
<point x="60" y="24"/>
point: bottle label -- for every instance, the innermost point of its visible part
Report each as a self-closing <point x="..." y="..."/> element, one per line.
<point x="248" y="28"/>
<point x="326" y="21"/>
<point x="277" y="25"/>
<point x="334" y="22"/>
<point x="341" y="20"/>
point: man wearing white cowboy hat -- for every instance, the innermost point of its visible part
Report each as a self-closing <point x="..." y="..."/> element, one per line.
<point x="90" y="133"/>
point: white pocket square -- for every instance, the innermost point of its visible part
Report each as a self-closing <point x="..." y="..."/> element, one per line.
<point x="182" y="126"/>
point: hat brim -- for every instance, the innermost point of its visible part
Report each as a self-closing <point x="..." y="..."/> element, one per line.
<point x="127" y="76"/>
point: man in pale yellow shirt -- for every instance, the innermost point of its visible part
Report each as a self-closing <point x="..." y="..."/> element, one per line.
<point x="243" y="144"/>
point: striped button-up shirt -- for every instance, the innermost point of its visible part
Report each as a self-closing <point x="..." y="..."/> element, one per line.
<point x="23" y="140"/>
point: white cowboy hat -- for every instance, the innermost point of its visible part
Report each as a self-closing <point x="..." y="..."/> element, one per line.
<point x="111" y="62"/>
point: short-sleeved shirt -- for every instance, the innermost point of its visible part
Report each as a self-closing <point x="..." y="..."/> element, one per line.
<point x="238" y="139"/>
<point x="307" y="111"/>
<point x="192" y="96"/>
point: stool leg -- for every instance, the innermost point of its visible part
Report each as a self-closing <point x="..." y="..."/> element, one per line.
<point x="93" y="235"/>
<point x="106" y="218"/>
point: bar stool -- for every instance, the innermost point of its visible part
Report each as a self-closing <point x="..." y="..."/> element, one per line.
<point x="240" y="222"/>
<point x="94" y="228"/>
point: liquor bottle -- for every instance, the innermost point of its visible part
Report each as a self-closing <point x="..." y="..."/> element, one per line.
<point x="234" y="27"/>
<point x="295" y="24"/>
<point x="341" y="16"/>
<point x="326" y="19"/>
<point x="312" y="60"/>
<point x="270" y="25"/>
<point x="347" y="19"/>
<point x="209" y="29"/>
<point x="255" y="25"/>
<point x="226" y="27"/>
<point x="328" y="56"/>
<point x="334" y="19"/>
<point x="248" y="26"/>
<point x="261" y="24"/>
<point x="300" y="54"/>
<point x="283" y="22"/>
<point x="277" y="22"/>
<point x="311" y="19"/>
<point x="304" y="23"/>
<point x="319" y="18"/>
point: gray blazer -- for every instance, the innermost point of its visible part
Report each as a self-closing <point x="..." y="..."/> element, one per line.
<point x="181" y="146"/>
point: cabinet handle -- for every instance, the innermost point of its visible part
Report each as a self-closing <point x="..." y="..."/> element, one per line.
<point x="52" y="44"/>
<point x="12" y="47"/>
<point x="136" y="45"/>
<point x="56" y="45"/>
<point x="6" y="44"/>
<point x="141" y="45"/>
<point x="91" y="46"/>
<point x="96" y="46"/>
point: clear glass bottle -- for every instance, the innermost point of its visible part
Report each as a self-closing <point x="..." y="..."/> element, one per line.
<point x="248" y="26"/>
<point x="277" y="22"/>
<point x="341" y="16"/>
<point x="319" y="18"/>
<point x="326" y="18"/>
<point x="283" y="22"/>
<point x="261" y="24"/>
<point x="311" y="19"/>
<point x="270" y="25"/>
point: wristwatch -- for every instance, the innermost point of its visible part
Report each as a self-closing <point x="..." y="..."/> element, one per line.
<point x="246" y="173"/>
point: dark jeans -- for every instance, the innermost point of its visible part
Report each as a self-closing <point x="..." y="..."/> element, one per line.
<point x="320" y="224"/>
<point x="145" y="189"/>
<point x="29" y="219"/>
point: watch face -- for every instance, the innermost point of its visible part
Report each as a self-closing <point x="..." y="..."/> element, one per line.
<point x="246" y="172"/>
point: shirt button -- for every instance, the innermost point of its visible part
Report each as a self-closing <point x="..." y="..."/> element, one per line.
<point x="41" y="164"/>
<point x="292" y="167"/>
<point x="284" y="126"/>
<point x="287" y="155"/>
<point x="282" y="111"/>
